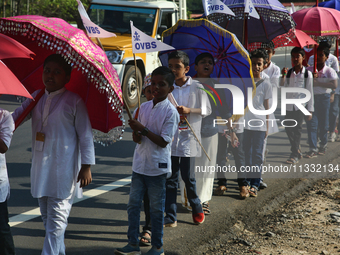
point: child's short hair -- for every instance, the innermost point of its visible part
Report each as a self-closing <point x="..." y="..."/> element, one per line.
<point x="204" y="55"/>
<point x="61" y="61"/>
<point x="166" y="73"/>
<point x="269" y="45"/>
<point x="178" y="54"/>
<point x="298" y="50"/>
<point x="325" y="50"/>
<point x="259" y="53"/>
<point x="325" y="43"/>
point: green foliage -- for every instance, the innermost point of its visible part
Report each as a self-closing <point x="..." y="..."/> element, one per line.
<point x="64" y="9"/>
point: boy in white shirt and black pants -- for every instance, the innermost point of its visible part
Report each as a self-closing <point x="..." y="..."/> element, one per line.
<point x="297" y="77"/>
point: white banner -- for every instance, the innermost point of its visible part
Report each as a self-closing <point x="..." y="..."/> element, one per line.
<point x="92" y="29"/>
<point x="249" y="8"/>
<point x="216" y="6"/>
<point x="142" y="43"/>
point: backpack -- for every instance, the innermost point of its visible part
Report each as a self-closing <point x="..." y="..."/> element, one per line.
<point x="306" y="75"/>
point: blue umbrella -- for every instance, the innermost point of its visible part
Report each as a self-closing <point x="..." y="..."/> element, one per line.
<point x="232" y="63"/>
<point x="274" y="20"/>
<point x="335" y="4"/>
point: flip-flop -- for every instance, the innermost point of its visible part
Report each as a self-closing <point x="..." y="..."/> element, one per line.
<point x="292" y="160"/>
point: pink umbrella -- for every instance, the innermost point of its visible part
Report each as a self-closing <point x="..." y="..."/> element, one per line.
<point x="93" y="76"/>
<point x="318" y="21"/>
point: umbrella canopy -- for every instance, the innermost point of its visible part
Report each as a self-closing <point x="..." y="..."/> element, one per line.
<point x="9" y="84"/>
<point x="232" y="63"/>
<point x="300" y="39"/>
<point x="335" y="4"/>
<point x="274" y="20"/>
<point x="10" y="48"/>
<point x="318" y="21"/>
<point x="92" y="77"/>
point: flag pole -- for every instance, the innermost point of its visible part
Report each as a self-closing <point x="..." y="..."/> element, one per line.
<point x="138" y="92"/>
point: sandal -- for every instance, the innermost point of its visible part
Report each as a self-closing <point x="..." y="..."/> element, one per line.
<point x="253" y="192"/>
<point x="147" y="240"/>
<point x="311" y="154"/>
<point x="292" y="160"/>
<point x="206" y="209"/>
<point x="219" y="191"/>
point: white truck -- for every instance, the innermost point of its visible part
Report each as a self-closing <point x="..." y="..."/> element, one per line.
<point x="151" y="17"/>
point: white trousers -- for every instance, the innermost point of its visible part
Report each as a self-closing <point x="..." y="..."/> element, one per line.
<point x="54" y="213"/>
<point x="204" y="180"/>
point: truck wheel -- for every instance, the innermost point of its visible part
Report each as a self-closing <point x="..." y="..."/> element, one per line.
<point x="130" y="86"/>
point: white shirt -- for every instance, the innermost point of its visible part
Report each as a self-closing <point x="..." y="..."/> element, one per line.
<point x="331" y="62"/>
<point x="296" y="80"/>
<point x="326" y="74"/>
<point x="273" y="71"/>
<point x="190" y="95"/>
<point x="161" y="119"/>
<point x="68" y="143"/>
<point x="6" y="132"/>
<point x="263" y="92"/>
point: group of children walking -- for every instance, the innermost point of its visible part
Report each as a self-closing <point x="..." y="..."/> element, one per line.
<point x="169" y="130"/>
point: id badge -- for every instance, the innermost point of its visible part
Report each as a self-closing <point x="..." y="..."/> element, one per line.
<point x="39" y="141"/>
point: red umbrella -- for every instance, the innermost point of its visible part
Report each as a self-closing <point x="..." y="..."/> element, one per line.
<point x="10" y="48"/>
<point x="93" y="76"/>
<point x="318" y="21"/>
<point x="9" y="84"/>
<point x="300" y="39"/>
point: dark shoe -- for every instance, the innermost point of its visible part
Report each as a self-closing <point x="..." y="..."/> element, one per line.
<point x="169" y="223"/>
<point x="311" y="154"/>
<point x="198" y="218"/>
<point x="155" y="251"/>
<point x="322" y="151"/>
<point x="244" y="192"/>
<point x="128" y="250"/>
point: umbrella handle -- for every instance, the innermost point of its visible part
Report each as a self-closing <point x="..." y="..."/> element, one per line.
<point x="29" y="109"/>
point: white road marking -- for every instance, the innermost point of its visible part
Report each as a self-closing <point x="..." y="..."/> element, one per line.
<point x="34" y="213"/>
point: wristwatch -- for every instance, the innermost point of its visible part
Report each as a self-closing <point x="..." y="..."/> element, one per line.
<point x="145" y="131"/>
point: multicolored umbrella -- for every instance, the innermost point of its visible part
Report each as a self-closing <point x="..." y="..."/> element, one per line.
<point x="300" y="39"/>
<point x="232" y="63"/>
<point x="93" y="76"/>
<point x="274" y="20"/>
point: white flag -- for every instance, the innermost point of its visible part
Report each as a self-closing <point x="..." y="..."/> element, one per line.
<point x="249" y="8"/>
<point x="292" y="9"/>
<point x="216" y="6"/>
<point x="92" y="29"/>
<point x="142" y="43"/>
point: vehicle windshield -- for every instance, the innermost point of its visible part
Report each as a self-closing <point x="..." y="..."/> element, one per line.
<point x="116" y="19"/>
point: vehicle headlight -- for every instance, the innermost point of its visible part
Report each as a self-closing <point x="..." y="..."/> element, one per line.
<point x="115" y="56"/>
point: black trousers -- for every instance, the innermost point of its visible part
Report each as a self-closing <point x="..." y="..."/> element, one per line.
<point x="294" y="133"/>
<point x="6" y="239"/>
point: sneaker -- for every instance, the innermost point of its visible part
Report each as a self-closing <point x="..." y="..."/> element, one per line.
<point x="244" y="193"/>
<point x="128" y="250"/>
<point x="198" y="218"/>
<point x="311" y="154"/>
<point x="169" y="223"/>
<point x="263" y="185"/>
<point x="331" y="137"/>
<point x="155" y="251"/>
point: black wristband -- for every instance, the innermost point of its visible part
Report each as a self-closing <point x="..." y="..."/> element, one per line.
<point x="145" y="131"/>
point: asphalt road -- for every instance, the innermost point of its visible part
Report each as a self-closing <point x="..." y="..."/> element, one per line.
<point x="98" y="224"/>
